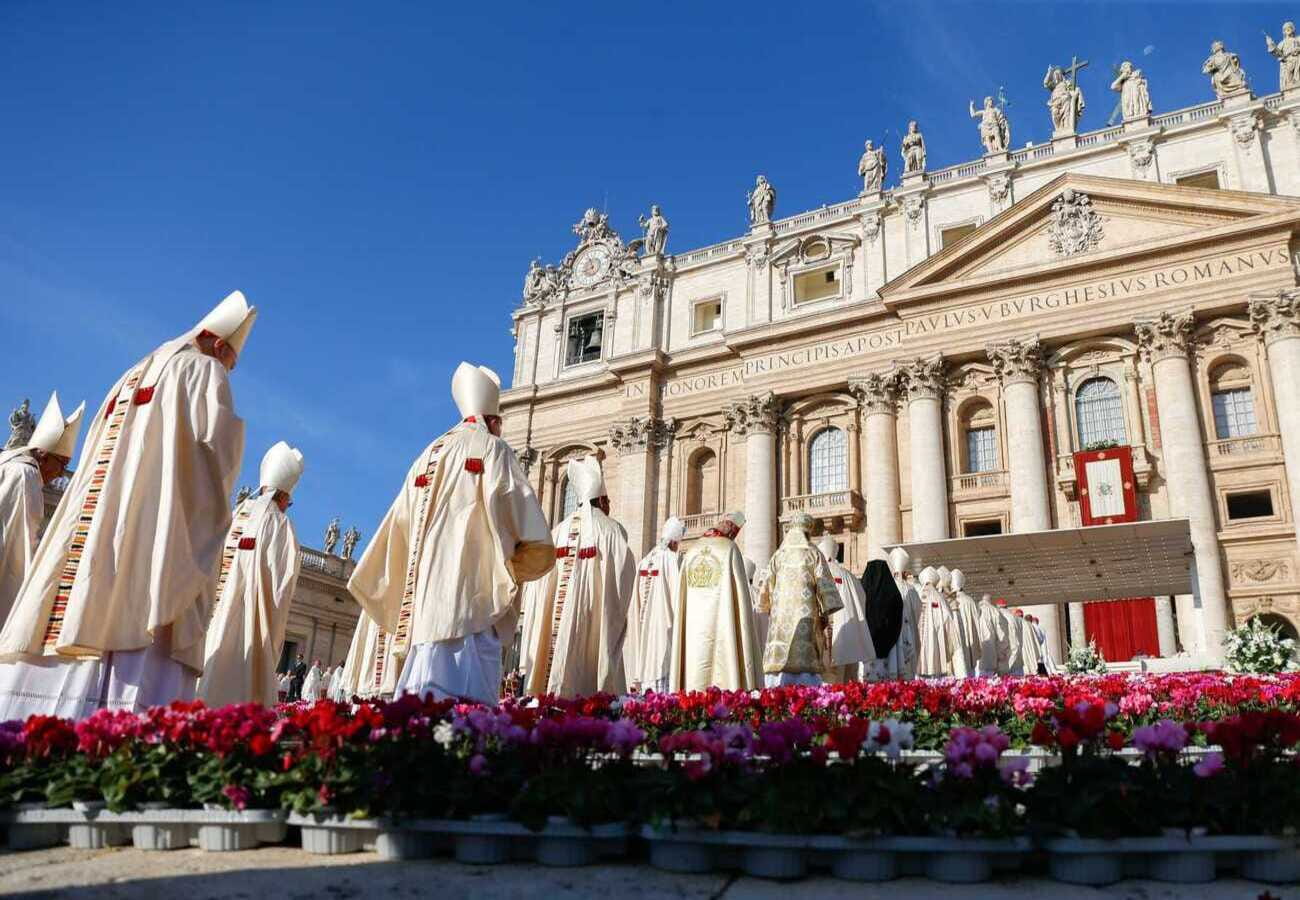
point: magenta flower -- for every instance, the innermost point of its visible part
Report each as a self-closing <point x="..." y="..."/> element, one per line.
<point x="1210" y="765"/>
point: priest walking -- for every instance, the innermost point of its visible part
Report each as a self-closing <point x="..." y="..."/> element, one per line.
<point x="23" y="472"/>
<point x="441" y="572"/>
<point x="255" y="584"/>
<point x="123" y="575"/>
<point x="799" y="594"/>
<point x="655" y="604"/>
<point x="576" y="619"/>
<point x="852" y="652"/>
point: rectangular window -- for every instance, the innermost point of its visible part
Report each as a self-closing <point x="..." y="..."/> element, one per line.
<point x="817" y="284"/>
<point x="950" y="236"/>
<point x="706" y="316"/>
<point x="584" y="338"/>
<point x="981" y="449"/>
<point x="1250" y="505"/>
<point x="1234" y="413"/>
<point x="1208" y="179"/>
<point x="982" y="528"/>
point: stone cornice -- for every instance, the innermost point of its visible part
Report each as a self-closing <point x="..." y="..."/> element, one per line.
<point x="756" y="414"/>
<point x="877" y="392"/>
<point x="1016" y="360"/>
<point x="1168" y="336"/>
<point x="1277" y="317"/>
<point x="923" y="377"/>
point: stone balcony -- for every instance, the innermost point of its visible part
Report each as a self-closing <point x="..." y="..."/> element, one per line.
<point x="325" y="566"/>
<point x="835" y="510"/>
<point x="1250" y="450"/>
<point x="699" y="523"/>
<point x="975" y="485"/>
<point x="1067" y="482"/>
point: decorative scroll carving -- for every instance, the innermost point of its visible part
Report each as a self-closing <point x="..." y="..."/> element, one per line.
<point x="877" y="392"/>
<point x="757" y="414"/>
<point x="1168" y="335"/>
<point x="923" y="378"/>
<point x="1277" y="317"/>
<point x="1016" y="360"/>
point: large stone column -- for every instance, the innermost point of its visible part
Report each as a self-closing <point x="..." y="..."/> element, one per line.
<point x="924" y="380"/>
<point x="1018" y="364"/>
<point x="633" y="503"/>
<point x="755" y="420"/>
<point x="1165" y="342"/>
<point x="878" y="395"/>
<point x="1277" y="320"/>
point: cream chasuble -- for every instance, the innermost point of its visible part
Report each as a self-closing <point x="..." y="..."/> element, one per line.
<point x="653" y="610"/>
<point x="903" y="657"/>
<point x="366" y="672"/>
<point x="255" y="584"/>
<point x="799" y="595"/>
<point x="1029" y="647"/>
<point x="464" y="530"/>
<point x="714" y="642"/>
<point x="967" y="614"/>
<point x="576" y="617"/>
<point x="852" y="651"/>
<point x="22" y="507"/>
<point x="992" y="631"/>
<point x="1015" y="662"/>
<point x="129" y="555"/>
<point x="940" y="653"/>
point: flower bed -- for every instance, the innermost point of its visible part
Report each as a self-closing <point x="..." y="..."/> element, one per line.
<point x="771" y="782"/>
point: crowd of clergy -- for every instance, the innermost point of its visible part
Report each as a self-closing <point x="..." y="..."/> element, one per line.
<point x="146" y="587"/>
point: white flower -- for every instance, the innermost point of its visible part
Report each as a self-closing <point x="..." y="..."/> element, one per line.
<point x="890" y="737"/>
<point x="444" y="734"/>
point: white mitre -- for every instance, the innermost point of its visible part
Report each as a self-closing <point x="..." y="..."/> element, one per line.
<point x="231" y="320"/>
<point x="899" y="560"/>
<point x="55" y="434"/>
<point x="476" y="390"/>
<point x="736" y="518"/>
<point x="586" y="478"/>
<point x="928" y="575"/>
<point x="674" y="530"/>
<point x="827" y="546"/>
<point x="281" y="468"/>
<point x="957" y="578"/>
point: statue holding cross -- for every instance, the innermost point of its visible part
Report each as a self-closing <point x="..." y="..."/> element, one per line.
<point x="1066" y="98"/>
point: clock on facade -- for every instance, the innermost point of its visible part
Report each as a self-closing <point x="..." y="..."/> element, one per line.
<point x="591" y="266"/>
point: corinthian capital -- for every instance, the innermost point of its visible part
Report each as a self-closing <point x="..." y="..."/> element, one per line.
<point x="1277" y="317"/>
<point x="1016" y="360"/>
<point x="1167" y="336"/>
<point x="877" y="392"/>
<point x="641" y="433"/>
<point x="758" y="414"/>
<point x="923" y="378"/>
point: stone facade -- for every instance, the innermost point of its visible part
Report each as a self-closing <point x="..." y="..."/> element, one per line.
<point x="907" y="365"/>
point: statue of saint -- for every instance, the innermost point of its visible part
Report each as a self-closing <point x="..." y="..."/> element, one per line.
<point x="1287" y="54"/>
<point x="1134" y="101"/>
<point x="872" y="167"/>
<point x="995" y="130"/>
<point x="1224" y="68"/>
<point x="656" y="232"/>
<point x="1065" y="100"/>
<point x="243" y="494"/>
<point x="762" y="202"/>
<point x="913" y="149"/>
<point x="21" y="425"/>
<point x="350" y="538"/>
<point x="331" y="536"/>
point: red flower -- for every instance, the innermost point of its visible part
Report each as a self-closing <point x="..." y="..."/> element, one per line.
<point x="1115" y="740"/>
<point x="1042" y="735"/>
<point x="1067" y="738"/>
<point x="260" y="745"/>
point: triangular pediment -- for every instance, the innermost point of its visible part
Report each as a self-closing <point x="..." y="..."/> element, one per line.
<point x="1086" y="220"/>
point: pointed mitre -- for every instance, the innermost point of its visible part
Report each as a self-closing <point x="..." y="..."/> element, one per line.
<point x="898" y="560"/>
<point x="586" y="478"/>
<point x="957" y="578"/>
<point x="55" y="434"/>
<point x="928" y="575"/>
<point x="231" y="320"/>
<point x="736" y="518"/>
<point x="281" y="468"/>
<point x="827" y="546"/>
<point x="674" y="530"/>
<point x="476" y="390"/>
<point x="942" y="574"/>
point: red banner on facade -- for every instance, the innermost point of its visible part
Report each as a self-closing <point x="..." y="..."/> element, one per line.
<point x="1122" y="629"/>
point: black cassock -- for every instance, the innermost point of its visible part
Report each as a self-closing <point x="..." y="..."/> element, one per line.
<point x="884" y="606"/>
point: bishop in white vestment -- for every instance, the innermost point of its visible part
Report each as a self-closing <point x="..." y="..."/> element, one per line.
<point x="800" y="597"/>
<point x="576" y="618"/>
<point x="1028" y="644"/>
<point x="993" y="639"/>
<point x="441" y="572"/>
<point x="968" y="618"/>
<point x="366" y="672"/>
<point x="941" y="653"/>
<point x="123" y="575"/>
<point x="851" y="650"/>
<point x="904" y="657"/>
<point x="650" y="620"/>
<point x="715" y="643"/>
<point x="255" y="584"/>
<point x="24" y="471"/>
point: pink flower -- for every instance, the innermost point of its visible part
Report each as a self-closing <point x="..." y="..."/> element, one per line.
<point x="237" y="795"/>
<point x="478" y="764"/>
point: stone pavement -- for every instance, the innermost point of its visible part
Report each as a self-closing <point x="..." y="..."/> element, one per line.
<point x="283" y="873"/>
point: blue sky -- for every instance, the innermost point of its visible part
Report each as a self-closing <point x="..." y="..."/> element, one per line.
<point x="376" y="176"/>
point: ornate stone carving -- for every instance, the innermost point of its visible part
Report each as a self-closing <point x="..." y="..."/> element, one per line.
<point x="542" y="283"/>
<point x="1287" y="54"/>
<point x="350" y="539"/>
<point x="1076" y="227"/>
<point x="1168" y="335"/>
<point x="1142" y="152"/>
<point x="870" y="222"/>
<point x="600" y="256"/>
<point x="923" y="378"/>
<point x="756" y="256"/>
<point x="999" y="186"/>
<point x="1260" y="570"/>
<point x="1131" y="85"/>
<point x="1244" y="128"/>
<point x="1224" y="68"/>
<point x="995" y="130"/>
<point x="1065" y="97"/>
<point x="656" y="231"/>
<point x="877" y="392"/>
<point x="757" y="414"/>
<point x="1276" y="318"/>
<point x="913" y="149"/>
<point x="762" y="202"/>
<point x="1016" y="360"/>
<point x="331" y="536"/>
<point x="21" y="425"/>
<point x="243" y="494"/>
<point x="913" y="206"/>
<point x="873" y="167"/>
<point x="641" y="433"/>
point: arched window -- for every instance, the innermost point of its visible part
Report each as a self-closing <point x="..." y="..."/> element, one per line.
<point x="1233" y="401"/>
<point x="702" y="482"/>
<point x="1099" y="413"/>
<point x="828" y="462"/>
<point x="980" y="430"/>
<point x="569" y="501"/>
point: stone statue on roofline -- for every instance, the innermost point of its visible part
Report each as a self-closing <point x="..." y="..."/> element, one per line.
<point x="995" y="131"/>
<point x="21" y="425"/>
<point x="331" y="536"/>
<point x="1224" y="68"/>
<point x="913" y="149"/>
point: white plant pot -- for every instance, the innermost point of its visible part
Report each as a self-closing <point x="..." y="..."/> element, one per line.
<point x="1280" y="866"/>
<point x="959" y="867"/>
<point x="678" y="850"/>
<point x="330" y="841"/>
<point x="865" y="865"/>
<point x="1192" y="867"/>
<point x="782" y="863"/>
<point x="563" y="844"/>
<point x="91" y="835"/>
<point x="160" y="836"/>
<point x="1085" y="861"/>
<point x="399" y="844"/>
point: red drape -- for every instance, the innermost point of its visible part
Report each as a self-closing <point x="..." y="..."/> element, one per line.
<point x="1121" y="629"/>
